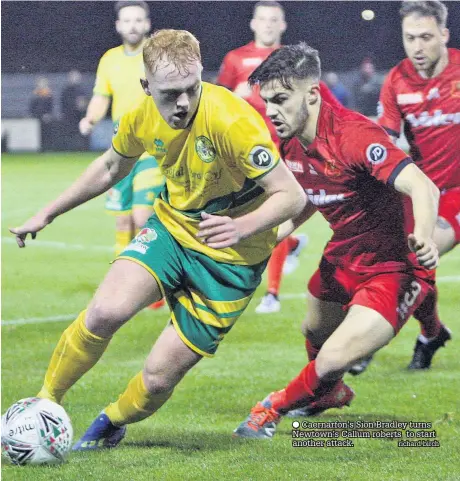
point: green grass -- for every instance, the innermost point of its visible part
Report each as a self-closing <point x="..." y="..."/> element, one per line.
<point x="190" y="437"/>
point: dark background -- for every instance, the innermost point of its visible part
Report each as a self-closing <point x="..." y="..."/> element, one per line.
<point x="47" y="36"/>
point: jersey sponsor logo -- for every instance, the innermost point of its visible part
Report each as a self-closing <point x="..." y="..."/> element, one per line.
<point x="294" y="166"/>
<point x="433" y="94"/>
<point x="455" y="91"/>
<point x="376" y="153"/>
<point x="160" y="146"/>
<point x="146" y="235"/>
<point x="437" y="119"/>
<point x="204" y="148"/>
<point x="252" y="61"/>
<point x="407" y="99"/>
<point x="322" y="198"/>
<point x="261" y="157"/>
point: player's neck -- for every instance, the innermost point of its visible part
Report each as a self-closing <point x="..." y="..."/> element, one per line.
<point x="308" y="134"/>
<point x="259" y="44"/>
<point x="133" y="49"/>
<point x="438" y="67"/>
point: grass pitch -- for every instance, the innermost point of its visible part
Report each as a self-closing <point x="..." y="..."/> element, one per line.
<point x="190" y="437"/>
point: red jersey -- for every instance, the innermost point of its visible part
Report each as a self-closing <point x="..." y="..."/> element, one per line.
<point x="347" y="173"/>
<point x="430" y="109"/>
<point x="239" y="64"/>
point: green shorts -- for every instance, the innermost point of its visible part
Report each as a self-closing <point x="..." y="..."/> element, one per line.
<point x="139" y="188"/>
<point x="206" y="297"/>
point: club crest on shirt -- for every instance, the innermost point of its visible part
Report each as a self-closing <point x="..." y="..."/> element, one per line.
<point x="261" y="158"/>
<point x="204" y="148"/>
<point x="455" y="91"/>
<point x="376" y="153"/>
<point x="330" y="169"/>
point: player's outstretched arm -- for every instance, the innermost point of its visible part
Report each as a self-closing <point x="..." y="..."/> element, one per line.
<point x="286" y="200"/>
<point x="425" y="198"/>
<point x="102" y="174"/>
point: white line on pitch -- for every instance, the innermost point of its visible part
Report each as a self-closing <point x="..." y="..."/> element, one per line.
<point x="58" y="245"/>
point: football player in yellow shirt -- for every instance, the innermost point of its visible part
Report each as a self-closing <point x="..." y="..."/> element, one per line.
<point x="204" y="248"/>
<point x="117" y="80"/>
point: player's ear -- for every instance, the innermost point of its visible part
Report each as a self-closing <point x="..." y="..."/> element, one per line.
<point x="148" y="26"/>
<point x="145" y="86"/>
<point x="445" y="35"/>
<point x="252" y="25"/>
<point x="283" y="26"/>
<point x="117" y="26"/>
<point x="313" y="93"/>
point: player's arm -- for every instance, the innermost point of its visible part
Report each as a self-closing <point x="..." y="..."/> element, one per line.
<point x="288" y="227"/>
<point x="286" y="199"/>
<point x="388" y="114"/>
<point x="227" y="73"/>
<point x="96" y="111"/>
<point x="425" y="198"/>
<point x="103" y="173"/>
<point x="100" y="101"/>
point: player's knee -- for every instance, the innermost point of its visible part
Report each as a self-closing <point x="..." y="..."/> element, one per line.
<point x="124" y="223"/>
<point x="331" y="363"/>
<point x="104" y="319"/>
<point x="140" y="217"/>
<point x="157" y="382"/>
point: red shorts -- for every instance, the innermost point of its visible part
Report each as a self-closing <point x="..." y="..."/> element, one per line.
<point x="394" y="295"/>
<point x="449" y="209"/>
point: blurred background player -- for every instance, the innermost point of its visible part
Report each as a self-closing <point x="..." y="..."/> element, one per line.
<point x="424" y="92"/>
<point x="268" y="24"/>
<point x="117" y="78"/>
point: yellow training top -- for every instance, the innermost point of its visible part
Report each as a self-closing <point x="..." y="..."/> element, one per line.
<point x="209" y="166"/>
<point x="118" y="76"/>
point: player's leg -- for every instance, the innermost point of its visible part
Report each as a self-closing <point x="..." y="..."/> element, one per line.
<point x="126" y="289"/>
<point x="434" y="334"/>
<point x="288" y="249"/>
<point x="379" y="308"/>
<point x="168" y="362"/>
<point x="203" y="310"/>
<point x="118" y="202"/>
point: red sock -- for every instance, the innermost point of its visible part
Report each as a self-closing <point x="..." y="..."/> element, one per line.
<point x="312" y="351"/>
<point x="275" y="266"/>
<point x="427" y="315"/>
<point x="305" y="386"/>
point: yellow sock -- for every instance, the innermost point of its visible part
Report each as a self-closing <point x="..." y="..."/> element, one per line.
<point x="77" y="352"/>
<point x="135" y="404"/>
<point x="122" y="239"/>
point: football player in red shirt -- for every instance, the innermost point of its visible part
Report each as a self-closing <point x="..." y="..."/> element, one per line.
<point x="372" y="275"/>
<point x="268" y="24"/>
<point x="423" y="91"/>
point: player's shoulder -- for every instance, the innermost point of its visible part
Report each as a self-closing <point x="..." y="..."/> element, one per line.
<point x="113" y="53"/>
<point x="225" y="108"/>
<point x="240" y="52"/>
<point x="454" y="56"/>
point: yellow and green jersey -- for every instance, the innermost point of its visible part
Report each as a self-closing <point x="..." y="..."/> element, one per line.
<point x="210" y="166"/>
<point x="117" y="76"/>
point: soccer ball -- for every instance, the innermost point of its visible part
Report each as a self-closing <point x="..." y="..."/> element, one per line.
<point x="36" y="431"/>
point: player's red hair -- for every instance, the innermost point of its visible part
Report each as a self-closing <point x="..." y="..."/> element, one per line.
<point x="178" y="47"/>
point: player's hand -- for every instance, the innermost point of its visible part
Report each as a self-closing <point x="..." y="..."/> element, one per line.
<point x="32" y="226"/>
<point x="425" y="250"/>
<point x="218" y="231"/>
<point x="85" y="126"/>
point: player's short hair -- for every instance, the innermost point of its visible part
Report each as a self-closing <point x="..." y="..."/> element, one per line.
<point x="433" y="8"/>
<point x="120" y="5"/>
<point x="287" y="63"/>
<point x="179" y="47"/>
<point x="267" y="3"/>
